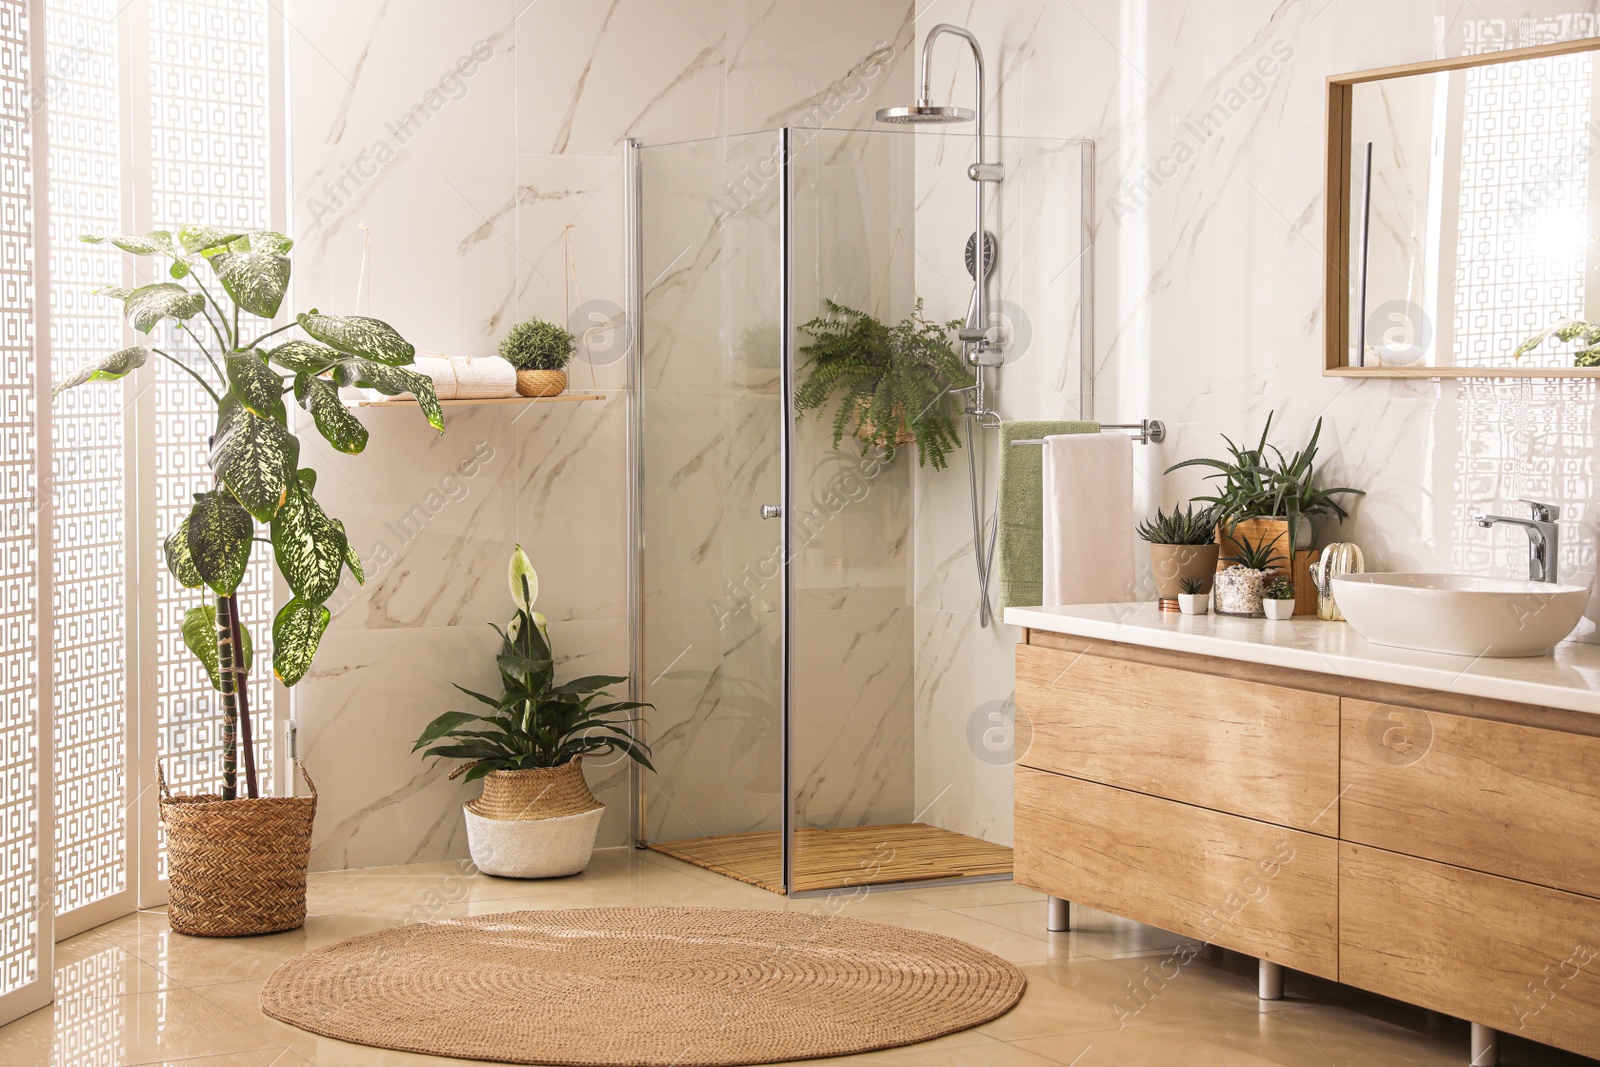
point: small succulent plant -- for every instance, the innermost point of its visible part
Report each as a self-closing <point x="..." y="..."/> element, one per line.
<point x="1280" y="588"/>
<point x="1255" y="555"/>
<point x="1185" y="527"/>
<point x="1192" y="586"/>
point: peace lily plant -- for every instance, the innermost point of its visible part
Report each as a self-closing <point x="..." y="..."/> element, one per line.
<point x="254" y="454"/>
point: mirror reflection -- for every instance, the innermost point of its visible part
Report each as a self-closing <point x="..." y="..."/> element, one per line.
<point x="1471" y="218"/>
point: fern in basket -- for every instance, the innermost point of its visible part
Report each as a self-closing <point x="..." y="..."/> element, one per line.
<point x="536" y="723"/>
<point x="889" y="380"/>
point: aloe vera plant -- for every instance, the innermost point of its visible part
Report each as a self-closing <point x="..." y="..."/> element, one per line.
<point x="1186" y="527"/>
<point x="1255" y="555"/>
<point x="254" y="455"/>
<point x="1262" y="481"/>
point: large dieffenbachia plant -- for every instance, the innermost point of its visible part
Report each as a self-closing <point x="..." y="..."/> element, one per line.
<point x="253" y="453"/>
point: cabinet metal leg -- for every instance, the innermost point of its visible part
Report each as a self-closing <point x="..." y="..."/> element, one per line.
<point x="1269" y="981"/>
<point x="1485" y="1046"/>
<point x="1059" y="917"/>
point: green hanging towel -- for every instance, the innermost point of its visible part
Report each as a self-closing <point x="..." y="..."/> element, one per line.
<point x="1021" y="517"/>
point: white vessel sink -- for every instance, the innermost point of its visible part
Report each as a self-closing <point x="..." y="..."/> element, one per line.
<point x="1458" y="614"/>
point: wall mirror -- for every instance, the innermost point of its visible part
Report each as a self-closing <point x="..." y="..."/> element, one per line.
<point x="1464" y="216"/>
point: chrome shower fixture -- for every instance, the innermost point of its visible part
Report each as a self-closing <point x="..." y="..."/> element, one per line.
<point x="981" y="344"/>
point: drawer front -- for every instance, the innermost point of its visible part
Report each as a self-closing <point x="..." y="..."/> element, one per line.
<point x="1233" y="746"/>
<point x="1255" y="888"/>
<point x="1490" y="796"/>
<point x="1520" y="958"/>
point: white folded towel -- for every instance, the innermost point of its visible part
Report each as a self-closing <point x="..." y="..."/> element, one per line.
<point x="483" y="377"/>
<point x="1088" y="519"/>
<point x="454" y="378"/>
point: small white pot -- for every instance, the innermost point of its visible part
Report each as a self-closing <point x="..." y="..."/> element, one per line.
<point x="1278" y="609"/>
<point x="532" y="848"/>
<point x="1194" y="603"/>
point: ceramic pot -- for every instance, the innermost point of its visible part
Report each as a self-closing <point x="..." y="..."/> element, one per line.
<point x="1194" y="603"/>
<point x="1171" y="564"/>
<point x="1238" y="590"/>
<point x="1278" y="609"/>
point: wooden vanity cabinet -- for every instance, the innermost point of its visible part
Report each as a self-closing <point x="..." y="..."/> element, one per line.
<point x="1440" y="850"/>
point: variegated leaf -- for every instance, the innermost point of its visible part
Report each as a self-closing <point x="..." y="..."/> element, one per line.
<point x="156" y="242"/>
<point x="351" y="559"/>
<point x="308" y="546"/>
<point x="202" y="238"/>
<point x="359" y="336"/>
<point x="150" y="304"/>
<point x="305" y="357"/>
<point x="253" y="456"/>
<point x="256" y="386"/>
<point x="334" y="421"/>
<point x="219" y="533"/>
<point x="391" y="381"/>
<point x="255" y="280"/>
<point x="200" y="637"/>
<point x="266" y="241"/>
<point x="115" y="292"/>
<point x="179" y="269"/>
<point x="295" y="633"/>
<point x="108" y="369"/>
<point x="180" y="564"/>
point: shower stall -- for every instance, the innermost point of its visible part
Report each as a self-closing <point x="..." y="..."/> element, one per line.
<point x="828" y="711"/>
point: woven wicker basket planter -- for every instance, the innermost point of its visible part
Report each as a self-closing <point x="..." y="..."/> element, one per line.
<point x="538" y="823"/>
<point x="541" y="382"/>
<point x="866" y="431"/>
<point x="237" y="867"/>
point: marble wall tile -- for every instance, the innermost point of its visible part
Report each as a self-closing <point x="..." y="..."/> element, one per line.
<point x="466" y="216"/>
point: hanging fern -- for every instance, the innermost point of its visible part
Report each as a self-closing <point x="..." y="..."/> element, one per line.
<point x="888" y="380"/>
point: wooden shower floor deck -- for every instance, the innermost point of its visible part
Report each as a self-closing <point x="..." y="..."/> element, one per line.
<point x="836" y="859"/>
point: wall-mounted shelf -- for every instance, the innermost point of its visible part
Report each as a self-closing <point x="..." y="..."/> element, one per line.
<point x="564" y="398"/>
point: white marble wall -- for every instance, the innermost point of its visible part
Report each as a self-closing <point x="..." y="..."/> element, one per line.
<point x="1209" y="273"/>
<point x="523" y="113"/>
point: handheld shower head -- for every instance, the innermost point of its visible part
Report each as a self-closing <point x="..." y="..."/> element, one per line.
<point x="920" y="114"/>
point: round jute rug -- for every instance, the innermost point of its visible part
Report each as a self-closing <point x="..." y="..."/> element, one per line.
<point x="642" y="986"/>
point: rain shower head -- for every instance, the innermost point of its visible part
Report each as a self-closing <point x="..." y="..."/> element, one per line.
<point x="924" y="113"/>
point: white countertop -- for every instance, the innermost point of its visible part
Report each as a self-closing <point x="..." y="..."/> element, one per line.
<point x="1569" y="678"/>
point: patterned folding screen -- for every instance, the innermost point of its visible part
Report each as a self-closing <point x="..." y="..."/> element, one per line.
<point x="209" y="145"/>
<point x="90" y="553"/>
<point x="24" y="931"/>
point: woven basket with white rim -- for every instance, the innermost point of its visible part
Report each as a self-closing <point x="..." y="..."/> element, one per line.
<point x="535" y="823"/>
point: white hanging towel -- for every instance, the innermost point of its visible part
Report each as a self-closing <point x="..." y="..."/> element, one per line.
<point x="1088" y="519"/>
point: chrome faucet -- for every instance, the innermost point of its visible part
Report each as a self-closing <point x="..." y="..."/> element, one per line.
<point x="1544" y="538"/>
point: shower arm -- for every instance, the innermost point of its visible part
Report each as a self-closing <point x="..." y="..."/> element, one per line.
<point x="975" y="335"/>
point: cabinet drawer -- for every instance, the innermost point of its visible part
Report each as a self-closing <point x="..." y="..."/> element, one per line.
<point x="1491" y="796"/>
<point x="1246" y="885"/>
<point x="1520" y="958"/>
<point x="1234" y="746"/>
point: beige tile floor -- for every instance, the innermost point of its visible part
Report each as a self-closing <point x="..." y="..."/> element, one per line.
<point x="132" y="992"/>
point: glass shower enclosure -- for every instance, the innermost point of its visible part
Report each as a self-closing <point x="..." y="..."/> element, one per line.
<point x="806" y="614"/>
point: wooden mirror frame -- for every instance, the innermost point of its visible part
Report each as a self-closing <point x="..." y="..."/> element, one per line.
<point x="1336" y="283"/>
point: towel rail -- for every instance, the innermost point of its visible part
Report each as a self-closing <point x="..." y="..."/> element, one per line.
<point x="1151" y="432"/>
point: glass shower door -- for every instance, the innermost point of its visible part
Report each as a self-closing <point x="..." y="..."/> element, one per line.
<point x="710" y="438"/>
